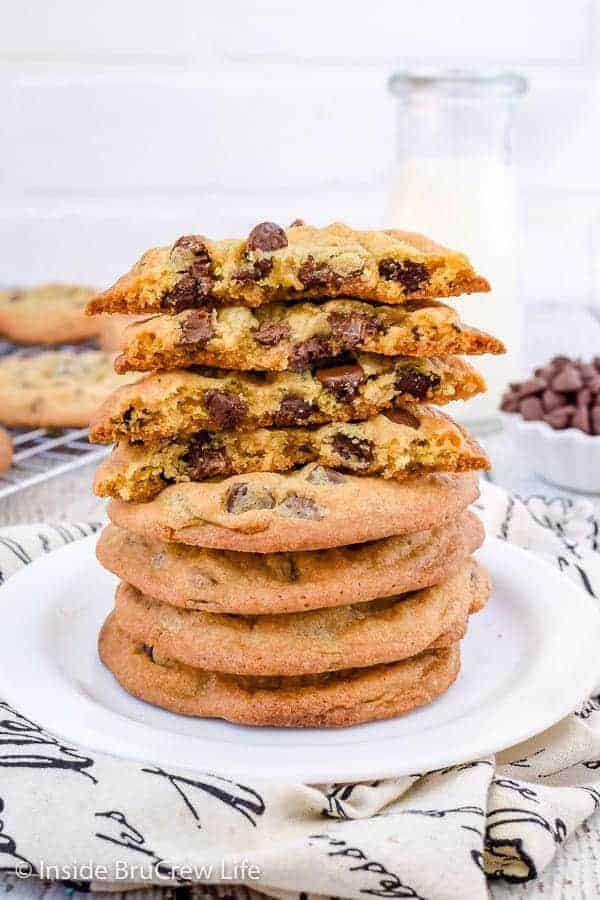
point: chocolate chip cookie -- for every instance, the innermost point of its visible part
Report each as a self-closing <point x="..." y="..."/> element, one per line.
<point x="332" y="699"/>
<point x="227" y="581"/>
<point x="183" y="402"/>
<point x="297" y="336"/>
<point x="383" y="630"/>
<point x="416" y="440"/>
<point x="307" y="509"/>
<point x="6" y="450"/>
<point x="273" y="263"/>
<point x="112" y="331"/>
<point x="47" y="314"/>
<point x="55" y="389"/>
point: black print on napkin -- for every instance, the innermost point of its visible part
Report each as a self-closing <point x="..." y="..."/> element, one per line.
<point x="10" y="858"/>
<point x="442" y="813"/>
<point x="34" y="748"/>
<point x="505" y="858"/>
<point x="128" y="837"/>
<point x="242" y="799"/>
<point x="339" y="795"/>
<point x="387" y="884"/>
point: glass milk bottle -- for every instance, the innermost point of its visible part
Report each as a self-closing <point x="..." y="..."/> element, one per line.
<point x="454" y="181"/>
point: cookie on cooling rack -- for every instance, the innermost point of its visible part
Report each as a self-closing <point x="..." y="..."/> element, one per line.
<point x="54" y="389"/>
<point x="47" y="314"/>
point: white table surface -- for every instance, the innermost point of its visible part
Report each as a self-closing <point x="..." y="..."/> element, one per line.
<point x="550" y="329"/>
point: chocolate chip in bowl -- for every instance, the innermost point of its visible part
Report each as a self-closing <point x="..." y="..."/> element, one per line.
<point x="554" y="417"/>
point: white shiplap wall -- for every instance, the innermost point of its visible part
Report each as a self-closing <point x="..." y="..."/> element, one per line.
<point x="125" y="123"/>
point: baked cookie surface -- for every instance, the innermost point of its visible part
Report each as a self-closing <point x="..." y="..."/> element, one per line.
<point x="55" y="389"/>
<point x="406" y="441"/>
<point x="47" y="314"/>
<point x="308" y="509"/>
<point x="297" y="336"/>
<point x="182" y="402"/>
<point x="227" y="581"/>
<point x="6" y="450"/>
<point x="333" y="699"/>
<point x="383" y="630"/>
<point x="274" y="263"/>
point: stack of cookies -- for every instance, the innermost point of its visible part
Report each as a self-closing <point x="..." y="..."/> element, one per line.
<point x="289" y="504"/>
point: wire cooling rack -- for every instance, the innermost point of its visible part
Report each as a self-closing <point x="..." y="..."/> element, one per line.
<point x="42" y="453"/>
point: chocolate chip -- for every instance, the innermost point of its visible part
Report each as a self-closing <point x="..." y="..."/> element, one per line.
<point x="305" y="354"/>
<point x="227" y="410"/>
<point x="260" y="269"/>
<point x="242" y="497"/>
<point x="559" y="418"/>
<point x="189" y="254"/>
<point x="551" y="400"/>
<point x="581" y="419"/>
<point x="417" y="384"/>
<point x="403" y="417"/>
<point x="510" y="402"/>
<point x="588" y="372"/>
<point x="267" y="236"/>
<point x="352" y="329"/>
<point x="323" y="475"/>
<point x="353" y="449"/>
<point x="317" y="275"/>
<point x="584" y="397"/>
<point x="531" y="408"/>
<point x="568" y="379"/>
<point x="296" y="507"/>
<point x="271" y="333"/>
<point x="203" y="459"/>
<point x="595" y="417"/>
<point x="411" y="275"/>
<point x="342" y="381"/>
<point x="182" y="296"/>
<point x="533" y="386"/>
<point x="292" y="410"/>
<point x="147" y="650"/>
<point x="197" y="328"/>
<point x="297" y="223"/>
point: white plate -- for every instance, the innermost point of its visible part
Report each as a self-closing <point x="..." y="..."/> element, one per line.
<point x="528" y="660"/>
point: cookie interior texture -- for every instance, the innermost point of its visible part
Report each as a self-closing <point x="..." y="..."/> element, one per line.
<point x="333" y="699"/>
<point x="383" y="630"/>
<point x="227" y="581"/>
<point x="308" y="509"/>
<point x="410" y="441"/>
<point x="182" y="402"/>
<point x="298" y="336"/>
<point x="273" y="263"/>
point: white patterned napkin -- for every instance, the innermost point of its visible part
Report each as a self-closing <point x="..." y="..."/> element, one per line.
<point x="75" y="815"/>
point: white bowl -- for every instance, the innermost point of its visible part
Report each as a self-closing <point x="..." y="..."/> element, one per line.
<point x="568" y="458"/>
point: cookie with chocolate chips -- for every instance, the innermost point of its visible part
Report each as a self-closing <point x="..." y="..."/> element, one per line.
<point x="47" y="314"/>
<point x="182" y="402"/>
<point x="381" y="630"/>
<point x="329" y="699"/>
<point x="274" y="263"/>
<point x="244" y="513"/>
<point x="55" y="388"/>
<point x="417" y="441"/>
<point x="227" y="581"/>
<point x="298" y="336"/>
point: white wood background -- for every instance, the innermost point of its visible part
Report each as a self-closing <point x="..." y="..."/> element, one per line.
<point x="125" y="123"/>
